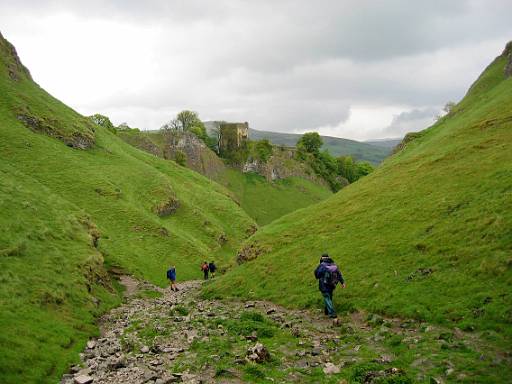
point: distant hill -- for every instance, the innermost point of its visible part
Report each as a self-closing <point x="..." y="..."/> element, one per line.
<point x="336" y="146"/>
<point x="386" y="143"/>
<point x="426" y="237"/>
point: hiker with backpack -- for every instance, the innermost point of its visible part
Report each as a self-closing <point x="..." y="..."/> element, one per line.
<point x="205" y="268"/>
<point x="212" y="267"/>
<point x="328" y="275"/>
<point x="171" y="276"/>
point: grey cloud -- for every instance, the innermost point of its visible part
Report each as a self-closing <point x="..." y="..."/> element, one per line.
<point x="411" y="121"/>
<point x="289" y="65"/>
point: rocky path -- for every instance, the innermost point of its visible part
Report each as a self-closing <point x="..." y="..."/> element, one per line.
<point x="179" y="337"/>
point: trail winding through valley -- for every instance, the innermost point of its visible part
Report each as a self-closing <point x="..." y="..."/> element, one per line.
<point x="180" y="337"/>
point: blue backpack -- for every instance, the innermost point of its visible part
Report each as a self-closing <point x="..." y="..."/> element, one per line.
<point x="331" y="275"/>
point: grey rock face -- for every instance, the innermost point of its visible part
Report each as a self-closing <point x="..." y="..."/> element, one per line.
<point x="508" y="53"/>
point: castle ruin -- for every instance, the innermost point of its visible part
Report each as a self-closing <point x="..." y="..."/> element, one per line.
<point x="232" y="136"/>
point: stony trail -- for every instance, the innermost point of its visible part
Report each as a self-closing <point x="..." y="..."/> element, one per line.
<point x="180" y="337"/>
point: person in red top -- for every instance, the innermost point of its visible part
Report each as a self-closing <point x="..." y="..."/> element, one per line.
<point x="205" y="268"/>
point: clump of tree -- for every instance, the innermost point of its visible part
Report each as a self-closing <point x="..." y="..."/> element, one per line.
<point x="125" y="127"/>
<point x="353" y="170"/>
<point x="262" y="150"/>
<point x="310" y="142"/>
<point x="448" y="109"/>
<point x="103" y="121"/>
<point x="336" y="171"/>
<point x="187" y="121"/>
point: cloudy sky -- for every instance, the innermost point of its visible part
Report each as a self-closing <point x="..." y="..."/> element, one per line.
<point x="356" y="69"/>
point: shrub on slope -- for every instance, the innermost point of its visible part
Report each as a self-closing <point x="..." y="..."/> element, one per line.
<point x="428" y="235"/>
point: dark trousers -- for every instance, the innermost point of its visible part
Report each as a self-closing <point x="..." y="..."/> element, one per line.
<point x="329" y="306"/>
<point x="205" y="274"/>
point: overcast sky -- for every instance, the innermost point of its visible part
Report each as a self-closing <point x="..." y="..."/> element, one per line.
<point x="355" y="69"/>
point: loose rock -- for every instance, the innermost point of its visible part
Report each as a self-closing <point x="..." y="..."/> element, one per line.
<point x="259" y="353"/>
<point x="83" y="379"/>
<point x="331" y="369"/>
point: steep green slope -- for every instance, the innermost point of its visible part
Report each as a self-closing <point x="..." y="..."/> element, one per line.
<point x="336" y="146"/>
<point x="73" y="196"/>
<point x="428" y="235"/>
<point x="49" y="273"/>
<point x="267" y="201"/>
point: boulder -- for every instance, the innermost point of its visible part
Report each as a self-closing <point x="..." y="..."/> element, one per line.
<point x="83" y="379"/>
<point x="258" y="353"/>
<point x="331" y="369"/>
<point x="91" y="344"/>
<point x="144" y="349"/>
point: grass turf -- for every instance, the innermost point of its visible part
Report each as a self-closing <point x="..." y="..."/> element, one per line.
<point x="267" y="201"/>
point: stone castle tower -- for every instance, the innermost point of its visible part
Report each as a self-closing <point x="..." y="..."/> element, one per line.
<point x="232" y="136"/>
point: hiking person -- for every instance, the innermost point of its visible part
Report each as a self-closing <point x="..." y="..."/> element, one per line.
<point x="328" y="275"/>
<point x="212" y="267"/>
<point x="205" y="268"/>
<point x="171" y="276"/>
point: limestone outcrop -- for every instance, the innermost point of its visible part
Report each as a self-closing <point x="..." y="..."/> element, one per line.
<point x="281" y="165"/>
<point x="508" y="53"/>
<point x="199" y="157"/>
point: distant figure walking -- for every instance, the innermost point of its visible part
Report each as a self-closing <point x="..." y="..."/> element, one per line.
<point x="212" y="267"/>
<point x="328" y="275"/>
<point x="205" y="268"/>
<point x="171" y="276"/>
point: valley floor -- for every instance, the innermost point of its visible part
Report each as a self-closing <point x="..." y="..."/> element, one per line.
<point x="160" y="336"/>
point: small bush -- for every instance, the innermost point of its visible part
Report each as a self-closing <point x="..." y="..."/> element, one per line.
<point x="181" y="158"/>
<point x="180" y="310"/>
<point x="263" y="150"/>
<point x="252" y="316"/>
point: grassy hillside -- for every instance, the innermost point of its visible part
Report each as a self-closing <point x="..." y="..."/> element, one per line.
<point x="75" y="201"/>
<point x="266" y="201"/>
<point x="262" y="200"/>
<point x="427" y="236"/>
<point x="336" y="146"/>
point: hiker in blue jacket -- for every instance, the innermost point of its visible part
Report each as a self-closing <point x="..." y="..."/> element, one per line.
<point x="328" y="275"/>
<point x="171" y="276"/>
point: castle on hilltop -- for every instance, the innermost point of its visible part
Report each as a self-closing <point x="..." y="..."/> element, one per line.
<point x="232" y="136"/>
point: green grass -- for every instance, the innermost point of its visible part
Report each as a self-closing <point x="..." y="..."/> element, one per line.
<point x="264" y="201"/>
<point x="267" y="201"/>
<point x="69" y="214"/>
<point x="336" y="146"/>
<point x="444" y="202"/>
